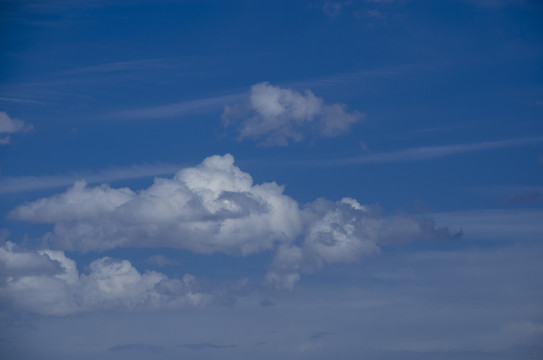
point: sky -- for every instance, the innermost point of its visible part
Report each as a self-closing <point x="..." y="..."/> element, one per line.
<point x="307" y="179"/>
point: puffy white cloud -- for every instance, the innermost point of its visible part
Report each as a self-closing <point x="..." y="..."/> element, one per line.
<point x="9" y="125"/>
<point x="213" y="207"/>
<point x="344" y="232"/>
<point x="109" y="284"/>
<point x="274" y="116"/>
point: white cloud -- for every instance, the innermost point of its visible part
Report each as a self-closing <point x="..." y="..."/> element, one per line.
<point x="9" y="125"/>
<point x="215" y="207"/>
<point x="276" y="116"/>
<point x="48" y="282"/>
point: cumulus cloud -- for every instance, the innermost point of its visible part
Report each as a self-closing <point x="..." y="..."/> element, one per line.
<point x="48" y="282"/>
<point x="344" y="232"/>
<point x="9" y="125"/>
<point x="275" y="116"/>
<point x="215" y="207"/>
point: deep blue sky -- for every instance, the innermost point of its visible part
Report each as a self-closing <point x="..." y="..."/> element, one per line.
<point x="428" y="113"/>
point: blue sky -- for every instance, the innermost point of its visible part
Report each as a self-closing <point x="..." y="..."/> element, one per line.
<point x="271" y="179"/>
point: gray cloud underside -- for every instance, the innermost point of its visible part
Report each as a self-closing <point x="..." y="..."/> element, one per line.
<point x="48" y="282"/>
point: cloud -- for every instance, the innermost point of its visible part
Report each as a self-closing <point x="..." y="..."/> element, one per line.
<point x="275" y="116"/>
<point x="319" y="335"/>
<point x="147" y="348"/>
<point x="206" y="345"/>
<point x="9" y="125"/>
<point x="48" y="282"/>
<point x="9" y="185"/>
<point x="526" y="196"/>
<point x="199" y="106"/>
<point x="426" y="152"/>
<point x="161" y="260"/>
<point x="344" y="232"/>
<point x="267" y="303"/>
<point x="215" y="207"/>
<point x="496" y="224"/>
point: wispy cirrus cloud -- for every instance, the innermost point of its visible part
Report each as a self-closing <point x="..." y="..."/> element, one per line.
<point x="424" y="152"/>
<point x="199" y="106"/>
<point x="17" y="184"/>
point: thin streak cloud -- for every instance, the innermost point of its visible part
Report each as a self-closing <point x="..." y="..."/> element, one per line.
<point x="424" y="153"/>
<point x="200" y="106"/>
<point x="18" y="184"/>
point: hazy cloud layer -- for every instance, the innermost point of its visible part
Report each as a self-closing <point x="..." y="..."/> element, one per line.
<point x="275" y="116"/>
<point x="48" y="282"/>
<point x="10" y="125"/>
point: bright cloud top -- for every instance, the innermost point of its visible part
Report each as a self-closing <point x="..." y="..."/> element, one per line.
<point x="276" y="116"/>
<point x="215" y="207"/>
<point x="48" y="282"/>
<point x="9" y="125"/>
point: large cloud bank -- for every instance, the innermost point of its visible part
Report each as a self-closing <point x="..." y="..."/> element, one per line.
<point x="275" y="116"/>
<point x="215" y="207"/>
<point x="48" y="282"/>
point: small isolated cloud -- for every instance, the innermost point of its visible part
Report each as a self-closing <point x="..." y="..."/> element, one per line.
<point x="9" y="126"/>
<point x="267" y="303"/>
<point x="206" y="345"/>
<point x="275" y="116"/>
<point x="319" y="335"/>
<point x="161" y="260"/>
<point x="524" y="197"/>
<point x="48" y="282"/>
